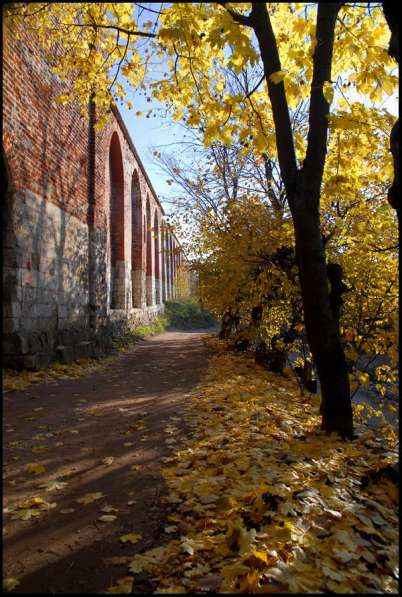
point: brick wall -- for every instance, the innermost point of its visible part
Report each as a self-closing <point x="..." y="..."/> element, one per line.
<point x="80" y="255"/>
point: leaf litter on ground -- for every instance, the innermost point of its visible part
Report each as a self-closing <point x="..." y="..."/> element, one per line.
<point x="264" y="501"/>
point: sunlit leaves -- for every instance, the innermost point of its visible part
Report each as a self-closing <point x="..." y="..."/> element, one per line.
<point x="278" y="76"/>
<point x="32" y="507"/>
<point x="328" y="91"/>
<point x="295" y="513"/>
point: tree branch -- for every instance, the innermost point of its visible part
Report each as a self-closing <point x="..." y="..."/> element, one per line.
<point x="239" y="18"/>
<point x="276" y="91"/>
<point x="116" y="27"/>
<point x="313" y="166"/>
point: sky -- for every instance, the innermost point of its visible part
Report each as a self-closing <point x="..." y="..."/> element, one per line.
<point x="160" y="132"/>
<point x="149" y="133"/>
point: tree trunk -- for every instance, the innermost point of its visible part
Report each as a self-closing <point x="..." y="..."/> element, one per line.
<point x="226" y="326"/>
<point x="274" y="360"/>
<point x="303" y="190"/>
<point x="391" y="13"/>
<point x="321" y="326"/>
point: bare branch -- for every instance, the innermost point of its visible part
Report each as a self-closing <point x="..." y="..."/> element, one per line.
<point x="157" y="12"/>
<point x="239" y="18"/>
<point x="128" y="32"/>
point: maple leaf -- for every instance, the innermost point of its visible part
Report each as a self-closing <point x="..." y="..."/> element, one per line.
<point x="108" y="460"/>
<point x="32" y="502"/>
<point x="278" y="76"/>
<point x="124" y="585"/>
<point x="131" y="538"/>
<point x="90" y="497"/>
<point x="107" y="518"/>
<point x="26" y="514"/>
<point x="256" y="559"/>
<point x="39" y="449"/>
<point x="36" y="468"/>
<point x="10" y="583"/>
<point x="108" y="509"/>
<point x="137" y="564"/>
<point x="328" y="91"/>
<point x="53" y="485"/>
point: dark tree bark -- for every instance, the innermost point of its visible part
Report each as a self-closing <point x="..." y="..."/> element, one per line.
<point x="303" y="194"/>
<point x="229" y="324"/>
<point x="335" y="274"/>
<point x="391" y="13"/>
<point x="226" y="326"/>
<point x="256" y="315"/>
<point x="246" y="336"/>
<point x="272" y="359"/>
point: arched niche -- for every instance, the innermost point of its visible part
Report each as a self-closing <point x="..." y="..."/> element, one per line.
<point x="163" y="260"/>
<point x="138" y="282"/>
<point x="150" y="258"/>
<point x="172" y="266"/>
<point x="157" y="257"/>
<point x="116" y="224"/>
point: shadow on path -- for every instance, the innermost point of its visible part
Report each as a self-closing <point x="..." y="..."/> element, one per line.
<point x="129" y="411"/>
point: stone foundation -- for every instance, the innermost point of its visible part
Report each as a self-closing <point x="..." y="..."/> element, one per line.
<point x="36" y="350"/>
<point x="150" y="291"/>
<point x="139" y="282"/>
<point x="49" y="312"/>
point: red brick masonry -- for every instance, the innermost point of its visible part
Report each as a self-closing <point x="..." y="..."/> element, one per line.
<point x="86" y="248"/>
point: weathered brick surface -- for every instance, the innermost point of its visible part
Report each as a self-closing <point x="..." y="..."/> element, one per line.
<point x="84" y="254"/>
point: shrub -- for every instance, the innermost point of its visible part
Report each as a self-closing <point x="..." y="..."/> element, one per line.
<point x="187" y="314"/>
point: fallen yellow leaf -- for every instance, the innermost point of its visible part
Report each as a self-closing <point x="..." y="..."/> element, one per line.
<point x="108" y="509"/>
<point x="39" y="449"/>
<point x="36" y="468"/>
<point x="108" y="460"/>
<point x="131" y="538"/>
<point x="10" y="583"/>
<point x="53" y="485"/>
<point x="124" y="585"/>
<point x="107" y="518"/>
<point x="90" y="497"/>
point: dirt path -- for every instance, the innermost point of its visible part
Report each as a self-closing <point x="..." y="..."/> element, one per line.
<point x="131" y="412"/>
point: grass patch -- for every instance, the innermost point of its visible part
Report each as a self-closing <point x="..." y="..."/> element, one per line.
<point x="157" y="326"/>
<point x="187" y="314"/>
